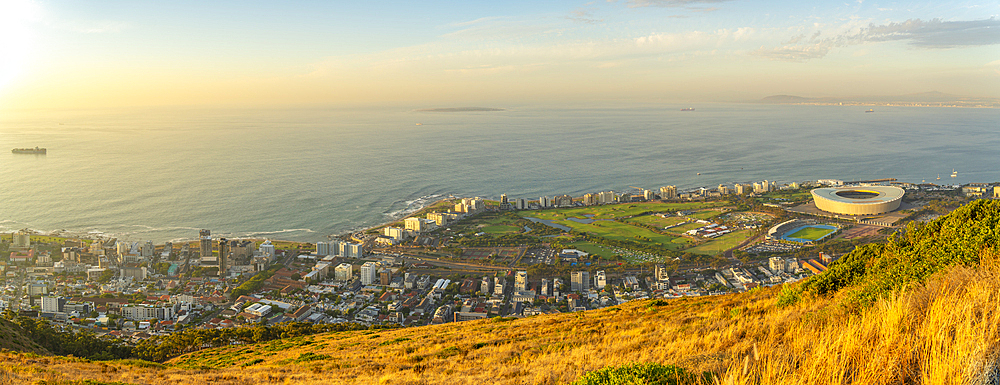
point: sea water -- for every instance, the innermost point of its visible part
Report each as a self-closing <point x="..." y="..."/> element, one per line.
<point x="306" y="174"/>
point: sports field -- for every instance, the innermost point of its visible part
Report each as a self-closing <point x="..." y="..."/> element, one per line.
<point x="810" y="233"/>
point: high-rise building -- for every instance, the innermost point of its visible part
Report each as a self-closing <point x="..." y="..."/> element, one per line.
<point x="776" y="264"/>
<point x="147" y="249"/>
<point x="267" y="249"/>
<point x="22" y="240"/>
<point x="544" y="202"/>
<point x="522" y="204"/>
<point x="606" y="197"/>
<point x="600" y="280"/>
<point x="322" y="248"/>
<point x="661" y="273"/>
<point x="223" y="256"/>
<point x="385" y="276"/>
<point x="53" y="304"/>
<point x="580" y="281"/>
<point x="486" y="285"/>
<point x="590" y="199"/>
<point x="369" y="272"/>
<point x="521" y="281"/>
<point x="206" y="243"/>
<point x="648" y="195"/>
<point x="668" y="192"/>
<point x="723" y="189"/>
<point x="546" y="287"/>
<point x="343" y="272"/>
<point x="563" y="201"/>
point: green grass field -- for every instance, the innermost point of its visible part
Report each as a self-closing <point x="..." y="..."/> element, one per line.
<point x="811" y="233"/>
<point x="617" y="211"/>
<point x="653" y="220"/>
<point x="721" y="244"/>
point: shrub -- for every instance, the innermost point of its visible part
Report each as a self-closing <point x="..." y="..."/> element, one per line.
<point x="639" y="374"/>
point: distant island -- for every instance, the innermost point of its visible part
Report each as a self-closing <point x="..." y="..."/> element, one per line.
<point x="461" y="109"/>
<point x="922" y="99"/>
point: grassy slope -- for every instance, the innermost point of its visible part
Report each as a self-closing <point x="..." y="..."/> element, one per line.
<point x="12" y="339"/>
<point x="944" y="331"/>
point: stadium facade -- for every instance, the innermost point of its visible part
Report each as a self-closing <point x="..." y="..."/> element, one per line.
<point x="869" y="200"/>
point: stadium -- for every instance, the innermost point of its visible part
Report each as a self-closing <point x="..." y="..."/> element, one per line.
<point x="801" y="231"/>
<point x="858" y="200"/>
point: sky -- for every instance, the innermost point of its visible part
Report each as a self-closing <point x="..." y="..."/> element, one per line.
<point x="62" y="54"/>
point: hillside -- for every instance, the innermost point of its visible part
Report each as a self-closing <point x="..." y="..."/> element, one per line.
<point x="920" y="308"/>
<point x="13" y="338"/>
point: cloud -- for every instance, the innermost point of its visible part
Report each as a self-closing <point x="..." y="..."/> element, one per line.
<point x="932" y="34"/>
<point x="94" y="26"/>
<point x="670" y="3"/>
<point x="936" y="33"/>
<point x="584" y="16"/>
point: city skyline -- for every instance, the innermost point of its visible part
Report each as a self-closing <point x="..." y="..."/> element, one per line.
<point x="118" y="54"/>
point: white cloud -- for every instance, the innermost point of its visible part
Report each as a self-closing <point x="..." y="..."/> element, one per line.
<point x="918" y="33"/>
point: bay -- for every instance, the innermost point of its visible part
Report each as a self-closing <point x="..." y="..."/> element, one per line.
<point x="305" y="174"/>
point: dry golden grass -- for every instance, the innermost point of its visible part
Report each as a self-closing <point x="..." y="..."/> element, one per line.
<point x="944" y="332"/>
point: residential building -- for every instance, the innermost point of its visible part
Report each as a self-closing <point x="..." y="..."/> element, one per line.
<point x="267" y="250"/>
<point x="600" y="280"/>
<point x="648" y="195"/>
<point x="590" y="199"/>
<point x="394" y="233"/>
<point x="563" y="201"/>
<point x="521" y="281"/>
<point x="53" y="304"/>
<point x="385" y="276"/>
<point x="322" y="248"/>
<point x="580" y="281"/>
<point x="343" y="272"/>
<point x="369" y="273"/>
<point x="544" y="202"/>
<point x="206" y="243"/>
<point x="415" y="226"/>
<point x="668" y="192"/>
<point x="442" y="219"/>
<point x="776" y="264"/>
<point x="21" y="241"/>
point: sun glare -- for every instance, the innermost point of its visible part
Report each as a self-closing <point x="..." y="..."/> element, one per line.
<point x="16" y="17"/>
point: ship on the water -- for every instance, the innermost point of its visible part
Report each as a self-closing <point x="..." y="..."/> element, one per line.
<point x="687" y="109"/>
<point x="35" y="150"/>
<point x="870" y="110"/>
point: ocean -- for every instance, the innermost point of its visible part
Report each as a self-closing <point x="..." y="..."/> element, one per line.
<point x="306" y="174"/>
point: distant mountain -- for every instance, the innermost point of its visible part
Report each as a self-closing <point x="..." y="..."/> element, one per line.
<point x="785" y="99"/>
<point x="461" y="109"/>
<point x="932" y="98"/>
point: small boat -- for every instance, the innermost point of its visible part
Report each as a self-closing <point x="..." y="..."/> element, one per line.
<point x="870" y="110"/>
<point x="35" y="150"/>
<point x="939" y="177"/>
<point x="687" y="109"/>
<point x="420" y="124"/>
<point x="954" y="174"/>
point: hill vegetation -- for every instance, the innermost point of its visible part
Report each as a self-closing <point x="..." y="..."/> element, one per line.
<point x="920" y="308"/>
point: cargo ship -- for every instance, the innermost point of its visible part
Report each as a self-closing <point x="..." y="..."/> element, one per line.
<point x="35" y="150"/>
<point x="687" y="109"/>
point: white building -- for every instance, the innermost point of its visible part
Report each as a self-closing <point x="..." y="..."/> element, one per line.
<point x="394" y="233"/>
<point x="369" y="273"/>
<point x="600" y="280"/>
<point x="267" y="249"/>
<point x="343" y="272"/>
<point x="53" y="304"/>
<point x="521" y="281"/>
<point x="416" y="226"/>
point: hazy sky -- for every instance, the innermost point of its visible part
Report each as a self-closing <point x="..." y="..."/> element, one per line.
<point x="73" y="54"/>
